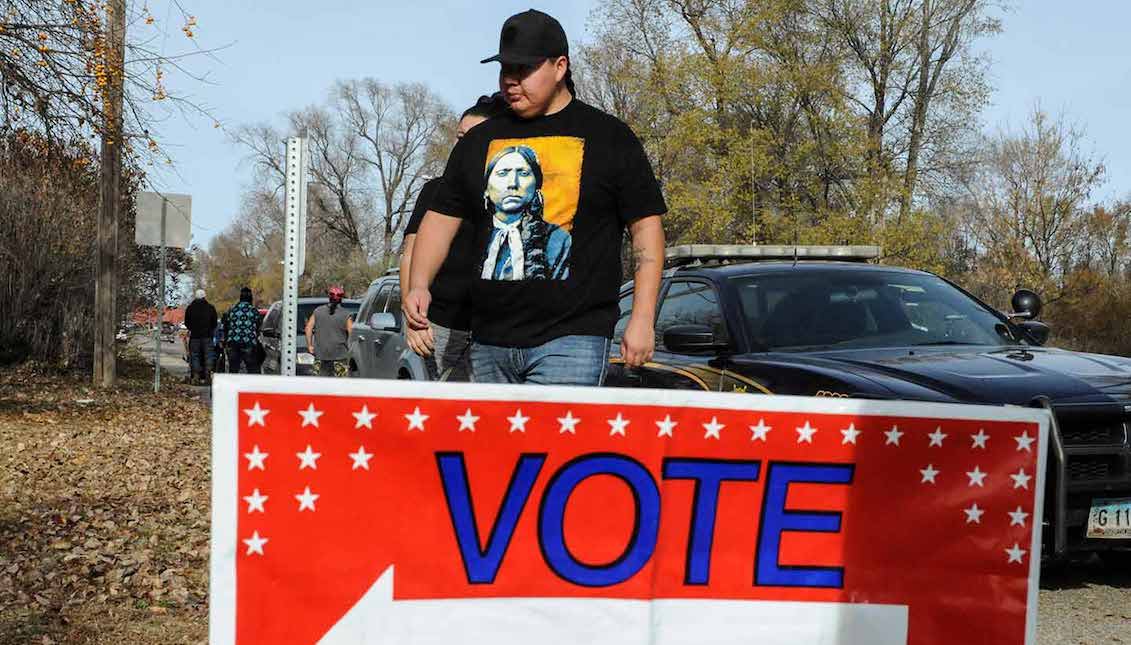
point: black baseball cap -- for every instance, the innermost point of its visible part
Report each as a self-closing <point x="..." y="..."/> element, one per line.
<point x="530" y="37"/>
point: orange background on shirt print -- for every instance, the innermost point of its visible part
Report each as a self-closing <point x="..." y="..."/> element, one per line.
<point x="560" y="158"/>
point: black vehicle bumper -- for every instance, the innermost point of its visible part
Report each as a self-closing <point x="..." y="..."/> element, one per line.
<point x="1089" y="458"/>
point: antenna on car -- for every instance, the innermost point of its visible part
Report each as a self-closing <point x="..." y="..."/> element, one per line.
<point x="796" y="234"/>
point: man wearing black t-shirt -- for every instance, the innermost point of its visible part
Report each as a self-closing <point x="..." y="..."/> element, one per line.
<point x="549" y="189"/>
<point x="445" y="344"/>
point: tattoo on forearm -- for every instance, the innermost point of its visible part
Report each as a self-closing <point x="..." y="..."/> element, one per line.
<point x="641" y="257"/>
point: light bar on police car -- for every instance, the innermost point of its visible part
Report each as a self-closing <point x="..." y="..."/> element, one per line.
<point x="688" y="253"/>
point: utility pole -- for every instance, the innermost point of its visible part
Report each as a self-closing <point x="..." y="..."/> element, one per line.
<point x="105" y="284"/>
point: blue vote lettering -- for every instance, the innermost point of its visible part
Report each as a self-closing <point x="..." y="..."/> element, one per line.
<point x="776" y="519"/>
<point x="481" y="564"/>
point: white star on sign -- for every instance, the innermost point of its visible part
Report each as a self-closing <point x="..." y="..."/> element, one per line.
<point x="310" y="416"/>
<point x="568" y="423"/>
<point x="805" y="433"/>
<point x="936" y="437"/>
<point x="518" y="422"/>
<point x="712" y="429"/>
<point x="254" y="543"/>
<point x="256" y="416"/>
<point x="759" y="432"/>
<point x="979" y="439"/>
<point x="360" y="458"/>
<point x="974" y="514"/>
<point x="416" y="420"/>
<point x="667" y="427"/>
<point x="1016" y="554"/>
<point x="618" y="425"/>
<point x="467" y="421"/>
<point x="308" y="459"/>
<point x="255" y="458"/>
<point x="929" y="474"/>
<point x="977" y="477"/>
<point x="306" y="500"/>
<point x="850" y="433"/>
<point x="1024" y="441"/>
<point x="255" y="501"/>
<point x="1021" y="480"/>
<point x="1017" y="518"/>
<point x="893" y="436"/>
<point x="364" y="417"/>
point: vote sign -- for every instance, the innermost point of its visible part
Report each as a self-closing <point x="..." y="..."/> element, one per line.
<point x="349" y="511"/>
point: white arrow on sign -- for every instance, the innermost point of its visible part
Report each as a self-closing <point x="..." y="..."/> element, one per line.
<point x="377" y="618"/>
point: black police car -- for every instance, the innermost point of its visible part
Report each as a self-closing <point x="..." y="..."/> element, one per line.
<point x="785" y="321"/>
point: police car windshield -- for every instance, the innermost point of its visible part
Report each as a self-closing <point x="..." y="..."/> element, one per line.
<point x="839" y="309"/>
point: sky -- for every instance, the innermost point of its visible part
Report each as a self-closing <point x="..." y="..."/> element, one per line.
<point x="281" y="55"/>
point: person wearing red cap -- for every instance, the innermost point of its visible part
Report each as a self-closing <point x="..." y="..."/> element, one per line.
<point x="327" y="330"/>
<point x="550" y="188"/>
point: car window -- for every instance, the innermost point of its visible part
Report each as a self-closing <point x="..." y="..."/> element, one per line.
<point x="367" y="305"/>
<point x="690" y="303"/>
<point x="622" y="319"/>
<point x="394" y="305"/>
<point x="798" y="311"/>
<point x="379" y="300"/>
<point x="272" y="319"/>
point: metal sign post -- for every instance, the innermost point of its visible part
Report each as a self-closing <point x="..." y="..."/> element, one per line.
<point x="294" y="250"/>
<point x="154" y="227"/>
<point x="160" y="302"/>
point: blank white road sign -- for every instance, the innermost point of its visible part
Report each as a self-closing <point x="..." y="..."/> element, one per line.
<point x="178" y="220"/>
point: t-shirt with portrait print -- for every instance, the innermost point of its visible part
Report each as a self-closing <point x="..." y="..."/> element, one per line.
<point x="549" y="199"/>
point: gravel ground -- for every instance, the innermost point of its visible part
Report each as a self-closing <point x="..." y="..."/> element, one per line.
<point x="1084" y="603"/>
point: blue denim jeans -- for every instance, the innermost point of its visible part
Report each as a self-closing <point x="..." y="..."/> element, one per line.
<point x="569" y="360"/>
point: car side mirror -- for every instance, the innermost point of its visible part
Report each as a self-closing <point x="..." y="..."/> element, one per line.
<point x="692" y="339"/>
<point x="1026" y="304"/>
<point x="1035" y="331"/>
<point x="383" y="321"/>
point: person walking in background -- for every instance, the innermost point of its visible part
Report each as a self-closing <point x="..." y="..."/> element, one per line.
<point x="201" y="320"/>
<point x="327" y="330"/>
<point x="563" y="182"/>
<point x="241" y="331"/>
<point x="446" y="343"/>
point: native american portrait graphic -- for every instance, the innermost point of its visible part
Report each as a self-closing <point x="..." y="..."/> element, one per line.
<point x="531" y="195"/>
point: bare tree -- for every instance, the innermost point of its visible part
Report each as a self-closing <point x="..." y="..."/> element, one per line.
<point x="910" y="62"/>
<point x="403" y="132"/>
<point x="56" y="70"/>
<point x="1033" y="194"/>
<point x="340" y="198"/>
<point x="945" y="31"/>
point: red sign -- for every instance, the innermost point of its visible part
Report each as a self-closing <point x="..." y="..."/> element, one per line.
<point x="356" y="512"/>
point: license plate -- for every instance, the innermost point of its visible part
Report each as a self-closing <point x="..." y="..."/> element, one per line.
<point x="1110" y="519"/>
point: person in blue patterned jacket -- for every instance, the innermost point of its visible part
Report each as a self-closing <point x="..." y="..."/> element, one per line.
<point x="241" y="333"/>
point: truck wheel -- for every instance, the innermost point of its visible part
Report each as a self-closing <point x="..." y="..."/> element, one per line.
<point x="1117" y="560"/>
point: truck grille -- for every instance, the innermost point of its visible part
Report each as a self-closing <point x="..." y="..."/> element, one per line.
<point x="1096" y="447"/>
<point x="1090" y="468"/>
<point x="1094" y="435"/>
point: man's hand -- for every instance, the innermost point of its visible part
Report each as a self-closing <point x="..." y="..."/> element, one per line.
<point x="421" y="341"/>
<point x="415" y="307"/>
<point x="639" y="341"/>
